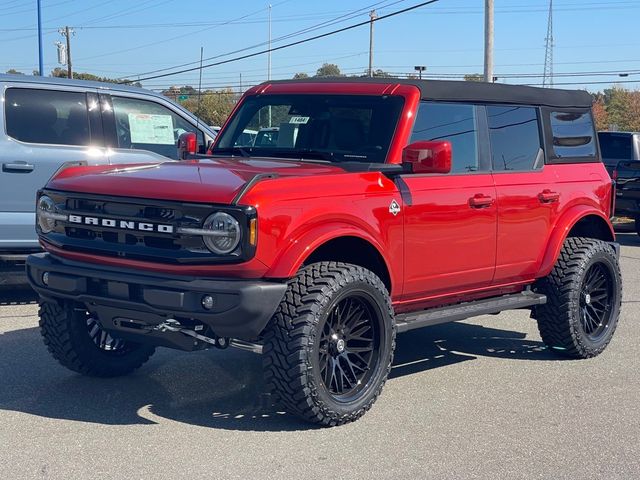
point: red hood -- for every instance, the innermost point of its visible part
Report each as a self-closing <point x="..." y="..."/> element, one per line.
<point x="206" y="181"/>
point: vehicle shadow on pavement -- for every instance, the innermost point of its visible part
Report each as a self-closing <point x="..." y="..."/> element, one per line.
<point x="216" y="389"/>
<point x="452" y="343"/>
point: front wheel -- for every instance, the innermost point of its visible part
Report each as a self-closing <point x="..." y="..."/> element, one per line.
<point x="329" y="347"/>
<point x="584" y="294"/>
<point x="76" y="339"/>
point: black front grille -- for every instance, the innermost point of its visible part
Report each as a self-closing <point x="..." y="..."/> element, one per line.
<point x="133" y="243"/>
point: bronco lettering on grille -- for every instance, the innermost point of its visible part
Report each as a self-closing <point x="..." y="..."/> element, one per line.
<point x="121" y="224"/>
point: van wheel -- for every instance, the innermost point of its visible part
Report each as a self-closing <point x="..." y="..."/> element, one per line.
<point x="329" y="347"/>
<point x="78" y="342"/>
<point x="584" y="293"/>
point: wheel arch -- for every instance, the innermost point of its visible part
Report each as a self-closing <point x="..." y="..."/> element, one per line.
<point x="580" y="221"/>
<point x="340" y="243"/>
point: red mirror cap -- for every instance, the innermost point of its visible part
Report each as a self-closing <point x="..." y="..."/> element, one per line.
<point x="187" y="144"/>
<point x="428" y="157"/>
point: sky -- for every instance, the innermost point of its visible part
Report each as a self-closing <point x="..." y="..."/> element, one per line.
<point x="595" y="41"/>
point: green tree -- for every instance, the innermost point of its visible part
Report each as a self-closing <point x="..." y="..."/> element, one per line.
<point x="329" y="70"/>
<point x="473" y="77"/>
<point x="62" y="73"/>
<point x="300" y="76"/>
<point x="618" y="100"/>
<point x="13" y="71"/>
<point x="215" y="105"/>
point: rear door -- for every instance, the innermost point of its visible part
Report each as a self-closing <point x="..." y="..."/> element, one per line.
<point x="145" y="129"/>
<point x="450" y="220"/>
<point x="43" y="128"/>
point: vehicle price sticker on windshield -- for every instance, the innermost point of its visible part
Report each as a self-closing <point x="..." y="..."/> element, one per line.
<point x="154" y="129"/>
<point x="299" y="120"/>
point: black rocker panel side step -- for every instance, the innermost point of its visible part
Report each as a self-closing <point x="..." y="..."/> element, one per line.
<point x="462" y="311"/>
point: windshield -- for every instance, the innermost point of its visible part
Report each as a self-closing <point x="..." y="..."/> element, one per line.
<point x="615" y="147"/>
<point x="318" y="127"/>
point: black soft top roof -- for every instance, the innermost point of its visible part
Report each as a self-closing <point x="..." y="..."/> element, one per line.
<point x="481" y="92"/>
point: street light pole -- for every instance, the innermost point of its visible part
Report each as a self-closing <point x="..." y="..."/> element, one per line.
<point x="269" y="61"/>
<point x="488" y="41"/>
<point x="40" y="59"/>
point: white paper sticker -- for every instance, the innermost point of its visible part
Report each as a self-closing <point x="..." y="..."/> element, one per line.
<point x="154" y="129"/>
<point x="299" y="120"/>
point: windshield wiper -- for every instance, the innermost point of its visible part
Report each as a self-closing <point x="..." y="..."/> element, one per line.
<point x="232" y="150"/>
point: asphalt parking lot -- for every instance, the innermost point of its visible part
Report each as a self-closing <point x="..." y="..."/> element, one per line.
<point x="479" y="399"/>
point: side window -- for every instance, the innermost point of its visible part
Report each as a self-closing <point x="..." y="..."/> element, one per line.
<point x="146" y="125"/>
<point x="515" y="138"/>
<point x="456" y="123"/>
<point x="47" y="116"/>
<point x="573" y="134"/>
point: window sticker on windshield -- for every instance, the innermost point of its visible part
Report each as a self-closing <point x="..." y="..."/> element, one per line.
<point x="299" y="120"/>
<point x="153" y="129"/>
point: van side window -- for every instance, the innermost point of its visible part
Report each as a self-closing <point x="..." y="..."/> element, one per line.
<point x="456" y="123"/>
<point x="573" y="134"/>
<point x="515" y="138"/>
<point x="47" y="116"/>
<point x="145" y="125"/>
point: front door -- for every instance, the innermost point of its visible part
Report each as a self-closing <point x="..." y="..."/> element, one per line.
<point x="450" y="219"/>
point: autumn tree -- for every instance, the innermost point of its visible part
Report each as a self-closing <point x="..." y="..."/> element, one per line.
<point x="600" y="114"/>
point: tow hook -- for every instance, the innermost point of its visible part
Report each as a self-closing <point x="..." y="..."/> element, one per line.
<point x="173" y="325"/>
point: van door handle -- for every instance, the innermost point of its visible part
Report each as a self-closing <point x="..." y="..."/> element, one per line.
<point x="17" y="167"/>
<point x="480" y="200"/>
<point x="547" y="196"/>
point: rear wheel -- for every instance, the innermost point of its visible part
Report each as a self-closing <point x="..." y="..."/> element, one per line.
<point x="584" y="293"/>
<point x="77" y="340"/>
<point x="330" y="345"/>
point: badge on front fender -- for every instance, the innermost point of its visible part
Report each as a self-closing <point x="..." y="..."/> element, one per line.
<point x="394" y="208"/>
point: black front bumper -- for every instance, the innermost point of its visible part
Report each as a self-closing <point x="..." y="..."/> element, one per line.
<point x="242" y="308"/>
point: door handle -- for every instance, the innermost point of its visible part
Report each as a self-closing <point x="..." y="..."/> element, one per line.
<point x="17" y="167"/>
<point x="547" y="196"/>
<point x="480" y="201"/>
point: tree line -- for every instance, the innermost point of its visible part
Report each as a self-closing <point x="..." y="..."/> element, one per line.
<point x="615" y="108"/>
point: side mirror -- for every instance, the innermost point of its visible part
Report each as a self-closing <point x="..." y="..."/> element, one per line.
<point x="428" y="157"/>
<point x="187" y="145"/>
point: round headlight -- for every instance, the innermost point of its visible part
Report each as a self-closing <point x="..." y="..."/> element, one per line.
<point x="225" y="233"/>
<point x="46" y="207"/>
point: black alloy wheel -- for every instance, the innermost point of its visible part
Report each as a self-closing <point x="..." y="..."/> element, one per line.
<point x="349" y="346"/>
<point x="595" y="301"/>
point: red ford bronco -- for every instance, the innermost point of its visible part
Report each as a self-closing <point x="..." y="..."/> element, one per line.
<point x="379" y="207"/>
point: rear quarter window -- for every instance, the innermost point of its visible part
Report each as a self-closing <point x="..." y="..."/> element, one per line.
<point x="573" y="134"/>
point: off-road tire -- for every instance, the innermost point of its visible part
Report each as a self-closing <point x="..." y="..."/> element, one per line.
<point x="559" y="320"/>
<point x="291" y="351"/>
<point x="66" y="335"/>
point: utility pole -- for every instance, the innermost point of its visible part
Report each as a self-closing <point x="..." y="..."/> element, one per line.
<point x="547" y="78"/>
<point x="269" y="60"/>
<point x="67" y="32"/>
<point x="373" y="16"/>
<point x="488" y="41"/>
<point x="269" y="53"/>
<point x="40" y="59"/>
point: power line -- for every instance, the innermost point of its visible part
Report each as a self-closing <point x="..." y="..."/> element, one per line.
<point x="288" y="45"/>
<point x="318" y="26"/>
